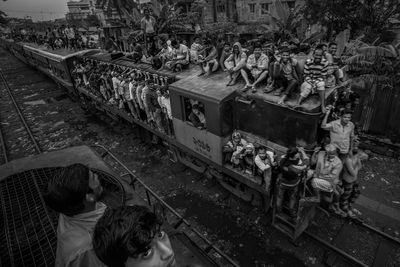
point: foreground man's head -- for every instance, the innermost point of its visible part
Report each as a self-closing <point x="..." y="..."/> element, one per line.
<point x="131" y="236"/>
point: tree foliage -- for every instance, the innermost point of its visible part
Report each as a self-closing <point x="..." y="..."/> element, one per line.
<point x="3" y="19"/>
<point x="361" y="16"/>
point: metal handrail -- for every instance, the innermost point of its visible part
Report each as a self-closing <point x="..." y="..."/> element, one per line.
<point x="210" y="247"/>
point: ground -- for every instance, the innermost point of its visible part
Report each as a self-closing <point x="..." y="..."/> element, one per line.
<point x="241" y="230"/>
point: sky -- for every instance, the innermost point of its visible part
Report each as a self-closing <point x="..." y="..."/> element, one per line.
<point x="37" y="9"/>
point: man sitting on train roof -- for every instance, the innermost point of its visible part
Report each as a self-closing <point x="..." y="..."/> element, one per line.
<point x="132" y="236"/>
<point x="326" y="173"/>
<point x="235" y="62"/>
<point x="293" y="167"/>
<point x="256" y="67"/>
<point x="285" y="76"/>
<point x="180" y="57"/>
<point x="236" y="143"/>
<point x="315" y="71"/>
<point x="73" y="192"/>
<point x="208" y="58"/>
<point x="265" y="161"/>
<point x="197" y="117"/>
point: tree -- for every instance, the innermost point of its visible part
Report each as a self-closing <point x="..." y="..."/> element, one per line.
<point x="368" y="16"/>
<point x="3" y="19"/>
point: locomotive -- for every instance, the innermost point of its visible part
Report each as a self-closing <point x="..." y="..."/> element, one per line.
<point x="227" y="109"/>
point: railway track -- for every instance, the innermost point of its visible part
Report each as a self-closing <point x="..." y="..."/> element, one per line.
<point x="351" y="242"/>
<point x="16" y="136"/>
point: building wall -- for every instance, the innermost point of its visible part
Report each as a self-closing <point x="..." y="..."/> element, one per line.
<point x="80" y="9"/>
<point x="253" y="10"/>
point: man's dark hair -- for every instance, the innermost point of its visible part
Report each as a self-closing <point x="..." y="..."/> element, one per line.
<point x="319" y="47"/>
<point x="291" y="152"/>
<point x="305" y="48"/>
<point x="174" y="42"/>
<point x="347" y="111"/>
<point x="285" y="49"/>
<point x="195" y="106"/>
<point x="124" y="232"/>
<point x="67" y="189"/>
<point x="332" y="43"/>
<point x="257" y="45"/>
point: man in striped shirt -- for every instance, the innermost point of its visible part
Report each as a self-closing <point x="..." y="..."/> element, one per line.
<point x="315" y="71"/>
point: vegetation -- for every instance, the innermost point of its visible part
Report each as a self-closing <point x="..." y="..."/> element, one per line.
<point x="3" y="19"/>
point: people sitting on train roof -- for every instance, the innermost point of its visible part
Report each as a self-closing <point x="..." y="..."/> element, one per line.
<point x="315" y="71"/>
<point x="326" y="174"/>
<point x="208" y="58"/>
<point x="226" y="51"/>
<point x="293" y="166"/>
<point x="180" y="57"/>
<point x="197" y="117"/>
<point x="256" y="67"/>
<point x="341" y="131"/>
<point x="73" y="193"/>
<point x="235" y="62"/>
<point x="265" y="161"/>
<point x="236" y="143"/>
<point x="285" y="76"/>
<point x="132" y="236"/>
<point x="195" y="49"/>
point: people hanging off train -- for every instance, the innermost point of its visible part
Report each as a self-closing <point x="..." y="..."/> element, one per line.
<point x="293" y="166"/>
<point x="237" y="143"/>
<point x="197" y="117"/>
<point x="246" y="158"/>
<point x="235" y="62"/>
<point x="315" y="71"/>
<point x="256" y="69"/>
<point x="180" y="57"/>
<point x="341" y="131"/>
<point x="132" y="236"/>
<point x="326" y="175"/>
<point x="265" y="162"/>
<point x="285" y="76"/>
<point x="73" y="193"/>
<point x="115" y="83"/>
<point x="165" y="104"/>
<point x="351" y="167"/>
<point x="208" y="58"/>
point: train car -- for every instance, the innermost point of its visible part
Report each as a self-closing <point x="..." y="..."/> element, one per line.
<point x="28" y="227"/>
<point x="226" y="109"/>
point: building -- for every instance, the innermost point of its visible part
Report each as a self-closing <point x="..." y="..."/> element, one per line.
<point x="256" y="10"/>
<point x="80" y="10"/>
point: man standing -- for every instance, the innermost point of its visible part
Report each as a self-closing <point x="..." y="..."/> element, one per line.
<point x="315" y="71"/>
<point x="341" y="131"/>
<point x="352" y="165"/>
<point x="256" y="66"/>
<point x="148" y="24"/>
<point x="293" y="166"/>
<point x="265" y="161"/>
<point x="73" y="193"/>
<point x="326" y="174"/>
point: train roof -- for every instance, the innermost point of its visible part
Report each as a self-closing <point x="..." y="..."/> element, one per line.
<point x="57" y="54"/>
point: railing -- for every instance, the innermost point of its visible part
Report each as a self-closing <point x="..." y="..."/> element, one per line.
<point x="180" y="220"/>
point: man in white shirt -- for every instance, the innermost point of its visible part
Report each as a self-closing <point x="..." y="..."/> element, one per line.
<point x="181" y="57"/>
<point x="264" y="161"/>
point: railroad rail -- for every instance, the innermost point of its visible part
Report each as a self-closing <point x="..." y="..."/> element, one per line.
<point x="13" y="124"/>
<point x="384" y="246"/>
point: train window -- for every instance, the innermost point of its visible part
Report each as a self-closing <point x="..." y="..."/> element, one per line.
<point x="194" y="113"/>
<point x="227" y="118"/>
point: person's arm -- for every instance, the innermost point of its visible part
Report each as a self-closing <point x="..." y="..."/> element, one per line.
<point x="228" y="59"/>
<point x="250" y="62"/>
<point x="260" y="164"/>
<point x="324" y="124"/>
<point x="336" y="170"/>
<point x="212" y="54"/>
<point x="349" y="167"/>
<point x="306" y="72"/>
<point x="221" y="61"/>
<point x="242" y="62"/>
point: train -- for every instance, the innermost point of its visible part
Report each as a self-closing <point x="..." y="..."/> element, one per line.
<point x="227" y="109"/>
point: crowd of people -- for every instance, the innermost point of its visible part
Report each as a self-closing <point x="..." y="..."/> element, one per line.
<point x="144" y="96"/>
<point x="57" y="37"/>
<point x="330" y="171"/>
<point x="286" y="69"/>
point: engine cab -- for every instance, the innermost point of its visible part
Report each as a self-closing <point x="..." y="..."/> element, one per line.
<point x="209" y="97"/>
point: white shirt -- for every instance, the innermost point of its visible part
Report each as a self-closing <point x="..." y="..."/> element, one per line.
<point x="263" y="164"/>
<point x="166" y="103"/>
